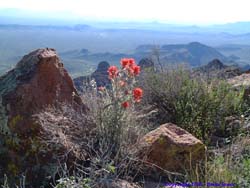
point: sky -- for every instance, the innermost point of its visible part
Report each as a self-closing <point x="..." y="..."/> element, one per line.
<point x="199" y="12"/>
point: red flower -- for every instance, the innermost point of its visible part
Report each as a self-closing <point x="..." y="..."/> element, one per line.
<point x="137" y="94"/>
<point x="125" y="104"/>
<point x="124" y="62"/>
<point x="131" y="62"/>
<point x="127" y="62"/>
<point x="136" y="69"/>
<point x="131" y="71"/>
<point x="113" y="72"/>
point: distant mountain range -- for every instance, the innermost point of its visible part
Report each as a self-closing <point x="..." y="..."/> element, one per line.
<point x="82" y="46"/>
<point x="194" y="54"/>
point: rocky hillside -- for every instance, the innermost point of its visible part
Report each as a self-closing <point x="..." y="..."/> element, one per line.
<point x="216" y="69"/>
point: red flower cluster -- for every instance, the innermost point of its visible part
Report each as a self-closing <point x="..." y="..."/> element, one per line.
<point x="135" y="70"/>
<point x="137" y="94"/>
<point x="130" y="69"/>
<point x="130" y="65"/>
<point x="125" y="104"/>
<point x="113" y="72"/>
<point x="127" y="62"/>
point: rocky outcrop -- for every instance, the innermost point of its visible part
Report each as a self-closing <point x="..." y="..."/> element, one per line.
<point x="100" y="76"/>
<point x="38" y="81"/>
<point x="216" y="69"/>
<point x="146" y="64"/>
<point x="216" y="64"/>
<point x="171" y="148"/>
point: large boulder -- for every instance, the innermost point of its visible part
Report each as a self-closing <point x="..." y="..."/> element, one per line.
<point x="170" y="148"/>
<point x="37" y="82"/>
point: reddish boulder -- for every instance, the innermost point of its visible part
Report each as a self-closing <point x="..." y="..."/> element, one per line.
<point x="170" y="148"/>
<point x="38" y="81"/>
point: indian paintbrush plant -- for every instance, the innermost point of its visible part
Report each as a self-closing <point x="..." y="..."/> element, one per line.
<point x="112" y="108"/>
<point x="116" y="103"/>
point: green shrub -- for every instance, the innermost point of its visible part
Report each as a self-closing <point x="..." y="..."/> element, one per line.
<point x="201" y="107"/>
<point x="198" y="106"/>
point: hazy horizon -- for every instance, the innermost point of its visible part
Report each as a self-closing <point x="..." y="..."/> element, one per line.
<point x="178" y="12"/>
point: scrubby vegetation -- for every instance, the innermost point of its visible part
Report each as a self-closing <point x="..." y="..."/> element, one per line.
<point x="117" y="127"/>
<point x="195" y="104"/>
<point x="229" y="165"/>
<point x="133" y="106"/>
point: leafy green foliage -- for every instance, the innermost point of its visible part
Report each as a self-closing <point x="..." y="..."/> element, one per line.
<point x="201" y="107"/>
<point x="198" y="106"/>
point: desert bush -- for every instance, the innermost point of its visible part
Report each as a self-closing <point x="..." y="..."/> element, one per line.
<point x="196" y="105"/>
<point x="117" y="128"/>
<point x="113" y="110"/>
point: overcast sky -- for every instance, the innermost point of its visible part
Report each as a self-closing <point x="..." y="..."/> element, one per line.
<point x="171" y="11"/>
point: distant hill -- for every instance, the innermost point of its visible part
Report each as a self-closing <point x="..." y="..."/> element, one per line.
<point x="194" y="53"/>
<point x="236" y="52"/>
